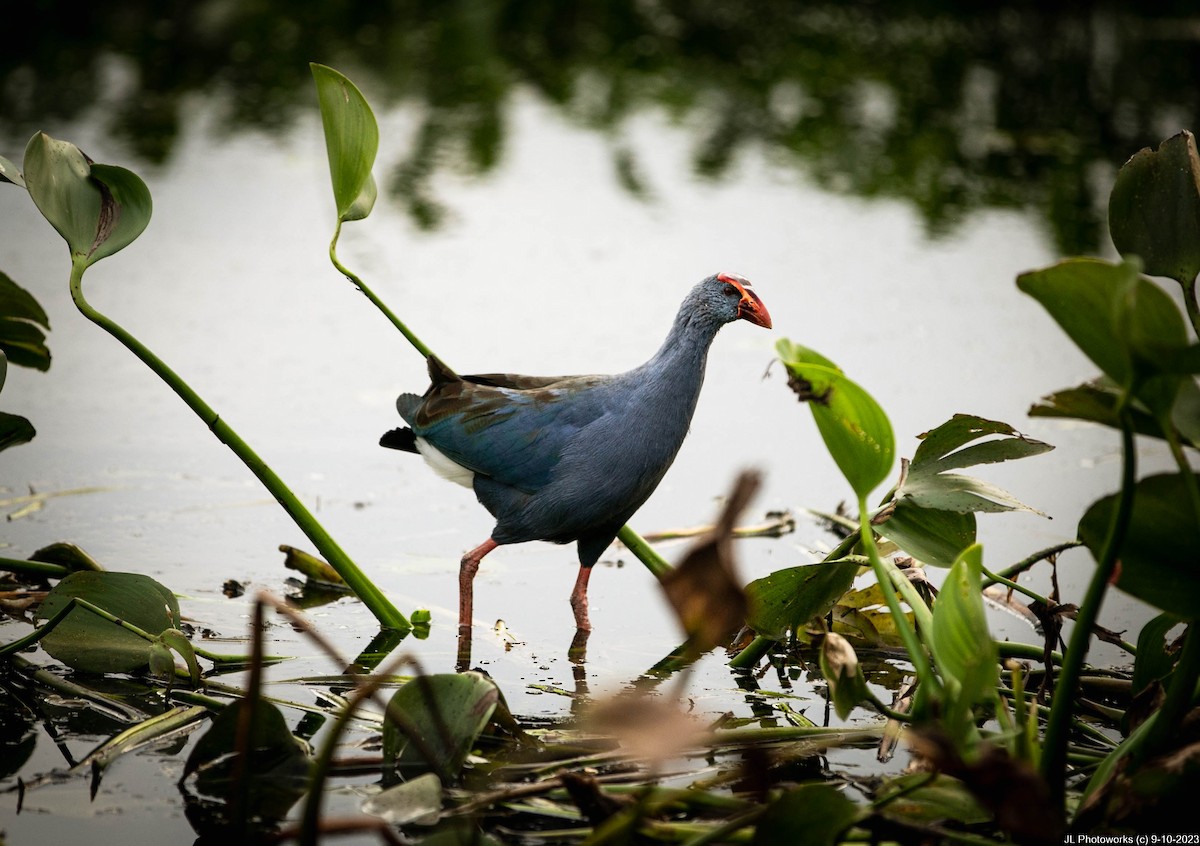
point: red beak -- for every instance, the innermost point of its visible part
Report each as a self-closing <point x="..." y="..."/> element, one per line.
<point x="751" y="308"/>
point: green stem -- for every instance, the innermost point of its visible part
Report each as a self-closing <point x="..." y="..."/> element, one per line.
<point x="1189" y="475"/>
<point x="1054" y="755"/>
<point x="644" y="552"/>
<point x="379" y="304"/>
<point x="996" y="578"/>
<point x="371" y="596"/>
<point x="1024" y="564"/>
<point x="34" y="568"/>
<point x="924" y="619"/>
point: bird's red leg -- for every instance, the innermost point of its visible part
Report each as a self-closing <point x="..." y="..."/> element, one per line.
<point x="466" y="580"/>
<point x="579" y="601"/>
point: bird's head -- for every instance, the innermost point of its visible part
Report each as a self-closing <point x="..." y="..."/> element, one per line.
<point x="731" y="297"/>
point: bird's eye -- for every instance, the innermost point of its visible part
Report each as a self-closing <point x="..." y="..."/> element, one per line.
<point x="732" y="291"/>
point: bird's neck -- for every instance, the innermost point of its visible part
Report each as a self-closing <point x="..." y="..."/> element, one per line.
<point x="678" y="366"/>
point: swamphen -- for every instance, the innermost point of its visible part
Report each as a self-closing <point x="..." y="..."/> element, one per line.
<point x="569" y="458"/>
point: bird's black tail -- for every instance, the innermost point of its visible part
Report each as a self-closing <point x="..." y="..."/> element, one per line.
<point x="401" y="439"/>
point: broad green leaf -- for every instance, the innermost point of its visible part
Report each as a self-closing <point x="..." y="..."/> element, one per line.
<point x="1153" y="662"/>
<point x="1124" y="323"/>
<point x="1097" y="401"/>
<point x="125" y="209"/>
<point x="928" y="484"/>
<point x="855" y="429"/>
<point x="447" y="712"/>
<point x="68" y="555"/>
<point x="1154" y="209"/>
<point x="810" y="815"/>
<point x="418" y="800"/>
<point x="944" y="798"/>
<point x="962" y="647"/>
<point x="14" y="430"/>
<point x="10" y="173"/>
<point x="98" y="209"/>
<point x="930" y="535"/>
<point x="85" y="641"/>
<point x="276" y="769"/>
<point x="58" y="176"/>
<point x="788" y="599"/>
<point x="23" y="326"/>
<point x="351" y="141"/>
<point x="1159" y="563"/>
<point x="839" y="666"/>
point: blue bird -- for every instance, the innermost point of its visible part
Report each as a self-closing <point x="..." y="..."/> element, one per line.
<point x="569" y="458"/>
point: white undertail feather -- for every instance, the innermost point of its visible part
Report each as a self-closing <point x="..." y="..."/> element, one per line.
<point x="443" y="465"/>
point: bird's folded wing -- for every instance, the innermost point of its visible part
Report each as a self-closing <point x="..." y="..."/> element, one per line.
<point x="511" y="435"/>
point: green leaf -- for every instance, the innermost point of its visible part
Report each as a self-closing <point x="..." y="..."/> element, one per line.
<point x="23" y="326"/>
<point x="98" y="209"/>
<point x="418" y="800"/>
<point x="788" y="599"/>
<point x="447" y="712"/>
<point x="1097" y="402"/>
<point x="855" y="429"/>
<point x="944" y="798"/>
<point x="1126" y="324"/>
<point x="1154" y="209"/>
<point x="276" y="768"/>
<point x="930" y="535"/>
<point x="10" y="173"/>
<point x="67" y="555"/>
<point x="84" y="641"/>
<point x="810" y="815"/>
<point x="1159" y="563"/>
<point x="351" y="141"/>
<point x="1153" y="662"/>
<point x="928" y="484"/>
<point x="177" y="641"/>
<point x="125" y="209"/>
<point x="58" y="176"/>
<point x="14" y="430"/>
<point x="962" y="647"/>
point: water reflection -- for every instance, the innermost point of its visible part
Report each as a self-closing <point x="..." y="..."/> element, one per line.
<point x="953" y="110"/>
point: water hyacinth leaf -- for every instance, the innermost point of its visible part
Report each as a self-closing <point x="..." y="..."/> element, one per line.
<point x="58" y="177"/>
<point x="1153" y="661"/>
<point x="177" y="641"/>
<point x="351" y="141"/>
<point x="1154" y="209"/>
<point x="931" y="535"/>
<point x="928" y="484"/>
<point x="15" y="430"/>
<point x="788" y="599"/>
<point x="276" y="769"/>
<point x="98" y="209"/>
<point x="10" y="173"/>
<point x="447" y="712"/>
<point x="1128" y="326"/>
<point x="1158" y="561"/>
<point x="809" y="815"/>
<point x="418" y="800"/>
<point x="85" y="641"/>
<point x="126" y="208"/>
<point x="855" y="429"/>
<point x="962" y="647"/>
<point x="1097" y="401"/>
<point x="924" y="801"/>
<point x="839" y="666"/>
<point x="23" y="326"/>
<point x="67" y="555"/>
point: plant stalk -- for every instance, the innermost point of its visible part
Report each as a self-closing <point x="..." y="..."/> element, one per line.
<point x="379" y="605"/>
<point x="1054" y="753"/>
<point x="379" y="304"/>
<point x="1178" y="699"/>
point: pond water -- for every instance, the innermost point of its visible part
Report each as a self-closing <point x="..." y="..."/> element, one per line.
<point x="545" y="263"/>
